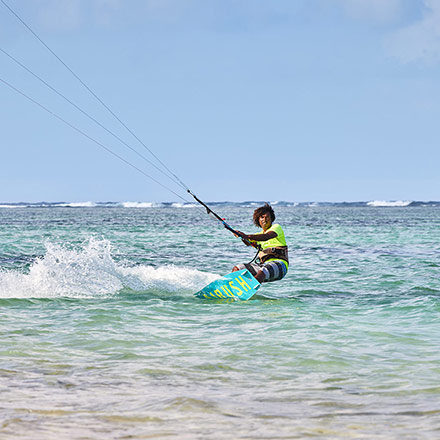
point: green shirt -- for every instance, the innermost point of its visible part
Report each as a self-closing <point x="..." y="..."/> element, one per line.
<point x="278" y="241"/>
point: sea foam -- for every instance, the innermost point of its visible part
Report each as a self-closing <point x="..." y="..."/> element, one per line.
<point x="76" y="205"/>
<point x="141" y="205"/>
<point x="385" y="203"/>
<point x="89" y="271"/>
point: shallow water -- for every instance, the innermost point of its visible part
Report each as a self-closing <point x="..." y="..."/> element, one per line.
<point x="102" y="338"/>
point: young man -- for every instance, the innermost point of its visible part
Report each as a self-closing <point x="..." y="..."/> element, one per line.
<point x="274" y="260"/>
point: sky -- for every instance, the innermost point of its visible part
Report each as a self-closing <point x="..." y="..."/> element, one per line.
<point x="293" y="100"/>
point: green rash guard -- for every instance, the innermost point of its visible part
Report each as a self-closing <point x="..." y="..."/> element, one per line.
<point x="278" y="241"/>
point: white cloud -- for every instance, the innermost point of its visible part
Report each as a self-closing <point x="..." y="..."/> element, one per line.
<point x="60" y="14"/>
<point x="373" y="10"/>
<point x="104" y="10"/>
<point x="72" y="14"/>
<point x="419" y="41"/>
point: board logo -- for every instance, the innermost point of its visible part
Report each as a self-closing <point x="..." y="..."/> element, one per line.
<point x="240" y="284"/>
<point x="227" y="293"/>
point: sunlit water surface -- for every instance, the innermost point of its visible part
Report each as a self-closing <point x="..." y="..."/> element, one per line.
<point x="101" y="336"/>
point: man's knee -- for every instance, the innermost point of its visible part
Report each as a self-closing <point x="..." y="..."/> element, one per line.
<point x="260" y="276"/>
<point x="239" y="267"/>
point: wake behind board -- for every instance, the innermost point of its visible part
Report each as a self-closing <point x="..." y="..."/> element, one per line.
<point x="240" y="285"/>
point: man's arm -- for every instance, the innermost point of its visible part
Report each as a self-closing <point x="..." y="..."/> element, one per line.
<point x="259" y="237"/>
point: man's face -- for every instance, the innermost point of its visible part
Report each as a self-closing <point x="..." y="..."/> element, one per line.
<point x="265" y="220"/>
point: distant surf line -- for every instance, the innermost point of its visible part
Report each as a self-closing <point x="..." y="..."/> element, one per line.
<point x="245" y="204"/>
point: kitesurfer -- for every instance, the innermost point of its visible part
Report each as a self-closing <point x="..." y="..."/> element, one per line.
<point x="273" y="256"/>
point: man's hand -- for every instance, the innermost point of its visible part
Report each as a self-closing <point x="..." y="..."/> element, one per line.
<point x="240" y="234"/>
<point x="244" y="238"/>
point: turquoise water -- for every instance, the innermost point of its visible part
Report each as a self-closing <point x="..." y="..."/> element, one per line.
<point x="102" y="338"/>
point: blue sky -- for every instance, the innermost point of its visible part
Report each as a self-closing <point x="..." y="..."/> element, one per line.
<point x="296" y="100"/>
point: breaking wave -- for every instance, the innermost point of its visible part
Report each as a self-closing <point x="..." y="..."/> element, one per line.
<point x="246" y="204"/>
<point x="141" y="205"/>
<point x="384" y="203"/>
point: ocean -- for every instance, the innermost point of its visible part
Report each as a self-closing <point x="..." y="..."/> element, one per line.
<point x="102" y="338"/>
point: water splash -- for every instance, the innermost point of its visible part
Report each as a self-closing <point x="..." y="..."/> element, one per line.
<point x="89" y="271"/>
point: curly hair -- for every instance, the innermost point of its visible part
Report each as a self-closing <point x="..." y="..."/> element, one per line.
<point x="263" y="210"/>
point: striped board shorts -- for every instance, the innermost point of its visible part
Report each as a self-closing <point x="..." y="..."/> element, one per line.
<point x="273" y="270"/>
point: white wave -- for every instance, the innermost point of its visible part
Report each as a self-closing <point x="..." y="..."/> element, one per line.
<point x="385" y="203"/>
<point x="141" y="205"/>
<point x="10" y="206"/>
<point x="184" y="205"/>
<point x="76" y="205"/>
<point x="90" y="271"/>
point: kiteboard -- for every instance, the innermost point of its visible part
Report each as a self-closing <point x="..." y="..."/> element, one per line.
<point x="238" y="285"/>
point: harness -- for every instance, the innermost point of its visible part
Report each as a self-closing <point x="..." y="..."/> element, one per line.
<point x="280" y="253"/>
